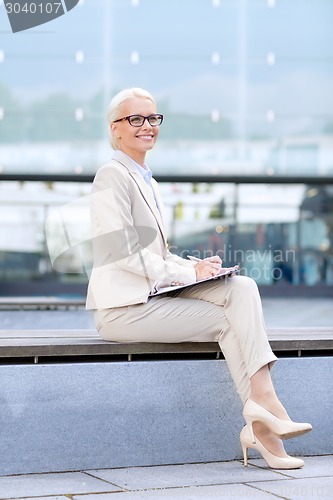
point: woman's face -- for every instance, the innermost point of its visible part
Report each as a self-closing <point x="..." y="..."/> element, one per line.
<point x="135" y="141"/>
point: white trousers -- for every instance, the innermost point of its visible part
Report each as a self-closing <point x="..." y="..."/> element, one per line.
<point x="227" y="311"/>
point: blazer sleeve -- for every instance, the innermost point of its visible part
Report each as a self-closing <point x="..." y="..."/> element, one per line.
<point x="127" y="240"/>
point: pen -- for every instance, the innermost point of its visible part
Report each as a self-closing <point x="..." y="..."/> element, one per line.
<point x="191" y="257"/>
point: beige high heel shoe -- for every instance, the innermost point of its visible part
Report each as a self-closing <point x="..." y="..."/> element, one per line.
<point x="272" y="461"/>
<point x="284" y="429"/>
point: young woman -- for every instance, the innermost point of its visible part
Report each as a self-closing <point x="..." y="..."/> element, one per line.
<point x="132" y="261"/>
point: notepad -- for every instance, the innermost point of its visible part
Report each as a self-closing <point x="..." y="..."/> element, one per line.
<point x="225" y="271"/>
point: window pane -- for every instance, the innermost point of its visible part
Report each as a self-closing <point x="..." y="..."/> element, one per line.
<point x="245" y="85"/>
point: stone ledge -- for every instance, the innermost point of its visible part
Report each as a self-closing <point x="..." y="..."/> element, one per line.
<point x="32" y="343"/>
<point x="79" y="416"/>
<point x="51" y="302"/>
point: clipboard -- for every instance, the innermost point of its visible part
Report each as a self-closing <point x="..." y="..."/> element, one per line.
<point x="225" y="271"/>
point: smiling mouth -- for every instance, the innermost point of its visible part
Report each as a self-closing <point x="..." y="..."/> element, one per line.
<point x="145" y="137"/>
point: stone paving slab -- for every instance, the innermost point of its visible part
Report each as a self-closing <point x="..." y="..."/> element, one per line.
<point x="278" y="312"/>
<point x="298" y="311"/>
<point x="38" y="485"/>
<point x="223" y="492"/>
<point x="204" y="481"/>
<point x="49" y="498"/>
<point x="175" y="476"/>
<point x="300" y="489"/>
<point x="78" y="319"/>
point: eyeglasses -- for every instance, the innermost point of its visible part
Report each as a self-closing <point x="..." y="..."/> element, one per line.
<point x="138" y="120"/>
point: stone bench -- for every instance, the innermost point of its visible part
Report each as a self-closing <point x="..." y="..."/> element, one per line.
<point x="43" y="302"/>
<point x="301" y="341"/>
<point x="72" y="401"/>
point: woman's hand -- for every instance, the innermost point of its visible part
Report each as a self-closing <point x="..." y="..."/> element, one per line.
<point x="207" y="268"/>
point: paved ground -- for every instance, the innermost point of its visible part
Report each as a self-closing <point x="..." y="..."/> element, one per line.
<point x="219" y="480"/>
<point x="278" y="312"/>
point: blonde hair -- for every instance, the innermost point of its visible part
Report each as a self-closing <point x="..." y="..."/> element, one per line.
<point x="115" y="104"/>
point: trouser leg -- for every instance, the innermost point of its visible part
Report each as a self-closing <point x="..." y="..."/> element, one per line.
<point x="163" y="319"/>
<point x="228" y="311"/>
<point x="244" y="340"/>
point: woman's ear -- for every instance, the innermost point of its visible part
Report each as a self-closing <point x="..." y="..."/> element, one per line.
<point x="115" y="130"/>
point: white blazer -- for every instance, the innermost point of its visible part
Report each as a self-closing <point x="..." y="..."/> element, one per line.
<point x="131" y="256"/>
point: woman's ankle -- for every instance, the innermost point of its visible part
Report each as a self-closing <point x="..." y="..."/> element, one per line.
<point x="272" y="404"/>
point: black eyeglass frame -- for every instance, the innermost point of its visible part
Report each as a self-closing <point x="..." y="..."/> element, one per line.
<point x="128" y="118"/>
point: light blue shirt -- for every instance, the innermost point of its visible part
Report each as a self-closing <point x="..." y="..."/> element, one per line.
<point x="146" y="174"/>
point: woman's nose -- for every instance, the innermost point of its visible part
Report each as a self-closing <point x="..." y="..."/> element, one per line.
<point x="146" y="124"/>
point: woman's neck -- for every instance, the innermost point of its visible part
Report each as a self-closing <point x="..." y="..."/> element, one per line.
<point x="136" y="156"/>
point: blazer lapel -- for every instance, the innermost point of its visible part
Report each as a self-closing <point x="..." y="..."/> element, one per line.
<point x="144" y="189"/>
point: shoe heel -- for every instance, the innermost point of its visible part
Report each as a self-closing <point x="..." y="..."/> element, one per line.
<point x="244" y="448"/>
<point x="273" y="461"/>
<point x="249" y="423"/>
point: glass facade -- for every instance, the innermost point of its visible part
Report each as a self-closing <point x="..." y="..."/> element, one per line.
<point x="277" y="234"/>
<point x="246" y="85"/>
<point x="246" y="89"/>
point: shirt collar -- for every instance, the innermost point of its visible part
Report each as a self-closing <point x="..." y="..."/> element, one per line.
<point x="145" y="172"/>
